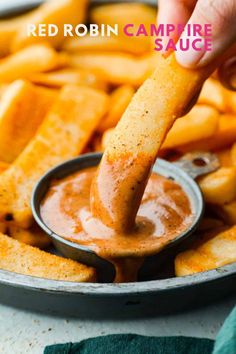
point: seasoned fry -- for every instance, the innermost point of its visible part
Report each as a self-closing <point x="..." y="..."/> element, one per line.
<point x="3" y="166"/>
<point x="233" y="154"/>
<point x="30" y="105"/>
<point x="20" y="258"/>
<point x="34" y="236"/>
<point x="212" y="94"/>
<point x="125" y="167"/>
<point x="56" y="12"/>
<point x="63" y="77"/>
<point x="36" y="58"/>
<point x="3" y="227"/>
<point x="219" y="187"/>
<point x="119" y="100"/>
<point x="214" y="250"/>
<point x="8" y="29"/>
<point x="201" y="122"/>
<point x="224" y="136"/>
<point x="62" y="135"/>
<point x="225" y="158"/>
<point x="111" y="14"/>
<point x="106" y="44"/>
<point x="115" y="68"/>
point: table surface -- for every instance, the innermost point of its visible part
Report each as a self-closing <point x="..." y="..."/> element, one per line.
<point x="24" y="332"/>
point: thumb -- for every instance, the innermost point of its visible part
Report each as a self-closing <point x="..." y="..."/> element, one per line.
<point x="221" y="15"/>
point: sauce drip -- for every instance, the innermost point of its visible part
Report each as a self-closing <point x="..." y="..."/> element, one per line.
<point x="164" y="213"/>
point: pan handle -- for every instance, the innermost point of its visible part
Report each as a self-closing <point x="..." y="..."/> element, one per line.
<point x="198" y="163"/>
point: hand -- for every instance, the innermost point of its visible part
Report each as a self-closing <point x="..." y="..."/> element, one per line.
<point x="222" y="16"/>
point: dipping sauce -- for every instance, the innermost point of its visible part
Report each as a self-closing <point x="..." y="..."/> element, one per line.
<point x="165" y="212"/>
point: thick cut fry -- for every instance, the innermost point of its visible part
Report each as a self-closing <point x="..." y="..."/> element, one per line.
<point x="219" y="187"/>
<point x="36" y="58"/>
<point x="56" y="12"/>
<point x="8" y="29"/>
<point x="22" y="109"/>
<point x="3" y="227"/>
<point x="233" y="154"/>
<point x="212" y="94"/>
<point x="119" y="100"/>
<point x="215" y="94"/>
<point x="214" y="250"/>
<point x="227" y="212"/>
<point x="115" y="68"/>
<point x="224" y="136"/>
<point x="34" y="236"/>
<point x="3" y="166"/>
<point x="63" y="134"/>
<point x="24" y="259"/>
<point x="126" y="164"/>
<point x="107" y="44"/>
<point x="63" y="77"/>
<point x="225" y="158"/>
<point x="201" y="122"/>
<point x="111" y="14"/>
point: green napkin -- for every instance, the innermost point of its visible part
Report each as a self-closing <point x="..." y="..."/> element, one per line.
<point x="136" y="344"/>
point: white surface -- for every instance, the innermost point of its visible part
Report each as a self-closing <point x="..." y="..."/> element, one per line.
<point x="23" y="332"/>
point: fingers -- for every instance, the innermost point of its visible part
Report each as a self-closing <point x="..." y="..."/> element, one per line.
<point x="174" y="12"/>
<point x="221" y="15"/>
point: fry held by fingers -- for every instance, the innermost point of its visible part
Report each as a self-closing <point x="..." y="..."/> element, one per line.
<point x="127" y="161"/>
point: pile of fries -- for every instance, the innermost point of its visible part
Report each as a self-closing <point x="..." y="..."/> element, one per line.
<point x="61" y="97"/>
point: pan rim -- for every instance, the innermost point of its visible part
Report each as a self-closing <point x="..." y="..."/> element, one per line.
<point x="110" y="289"/>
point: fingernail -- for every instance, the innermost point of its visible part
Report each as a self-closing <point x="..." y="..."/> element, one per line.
<point x="188" y="56"/>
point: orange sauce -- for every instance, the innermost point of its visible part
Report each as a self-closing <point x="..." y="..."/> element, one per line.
<point x="163" y="214"/>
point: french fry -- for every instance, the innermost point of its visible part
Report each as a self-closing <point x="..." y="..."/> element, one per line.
<point x="34" y="236"/>
<point x="30" y="105"/>
<point x="3" y="166"/>
<point x="111" y="14"/>
<point x="213" y="93"/>
<point x="59" y="78"/>
<point x="3" y="227"/>
<point x="51" y="12"/>
<point x="36" y="58"/>
<point x="225" y="158"/>
<point x="224" y="136"/>
<point x="106" y="44"/>
<point x="115" y="68"/>
<point x="24" y="259"/>
<point x="200" y="123"/>
<point x="123" y="173"/>
<point x="215" y="249"/>
<point x="233" y="154"/>
<point x="63" y="134"/>
<point x="219" y="187"/>
<point x="227" y="212"/>
<point x="8" y="29"/>
<point x="119" y="100"/>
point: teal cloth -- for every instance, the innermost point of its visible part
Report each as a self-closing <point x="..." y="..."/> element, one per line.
<point x="135" y="344"/>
